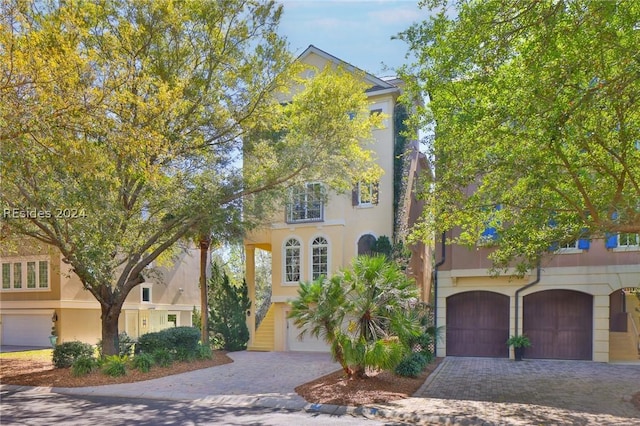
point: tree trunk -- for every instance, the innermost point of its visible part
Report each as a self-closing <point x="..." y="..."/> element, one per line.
<point x="110" y="316"/>
<point x="205" y="242"/>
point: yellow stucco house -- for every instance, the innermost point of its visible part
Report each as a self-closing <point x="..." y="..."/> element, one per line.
<point x="39" y="291"/>
<point x="311" y="236"/>
<point x="578" y="305"/>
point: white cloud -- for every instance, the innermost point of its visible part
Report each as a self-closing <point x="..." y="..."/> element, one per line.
<point x="404" y="15"/>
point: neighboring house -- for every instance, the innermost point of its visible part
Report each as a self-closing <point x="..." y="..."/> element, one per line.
<point x="315" y="236"/>
<point x="38" y="291"/>
<point x="581" y="307"/>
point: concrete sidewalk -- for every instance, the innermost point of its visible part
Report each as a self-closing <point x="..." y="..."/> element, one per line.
<point x="465" y="391"/>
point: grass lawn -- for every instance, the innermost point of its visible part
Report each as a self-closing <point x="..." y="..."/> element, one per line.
<point x="42" y="355"/>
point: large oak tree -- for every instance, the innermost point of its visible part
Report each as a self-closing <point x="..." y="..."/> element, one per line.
<point x="536" y="106"/>
<point x="135" y="116"/>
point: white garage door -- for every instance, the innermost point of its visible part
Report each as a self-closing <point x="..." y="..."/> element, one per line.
<point x="308" y="343"/>
<point x="26" y="330"/>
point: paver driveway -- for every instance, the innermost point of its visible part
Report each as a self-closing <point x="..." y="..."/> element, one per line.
<point x="580" y="386"/>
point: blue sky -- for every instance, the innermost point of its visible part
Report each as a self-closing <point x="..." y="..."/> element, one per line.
<point x="356" y="31"/>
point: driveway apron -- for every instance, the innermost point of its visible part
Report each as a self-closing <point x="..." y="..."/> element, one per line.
<point x="254" y="377"/>
<point x="581" y="386"/>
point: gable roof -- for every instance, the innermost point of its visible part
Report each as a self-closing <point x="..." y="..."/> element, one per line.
<point x="377" y="84"/>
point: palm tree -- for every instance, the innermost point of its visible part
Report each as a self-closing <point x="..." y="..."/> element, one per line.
<point x="365" y="313"/>
<point x="319" y="311"/>
<point x="381" y="300"/>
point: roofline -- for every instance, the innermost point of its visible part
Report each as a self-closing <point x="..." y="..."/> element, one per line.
<point x="376" y="80"/>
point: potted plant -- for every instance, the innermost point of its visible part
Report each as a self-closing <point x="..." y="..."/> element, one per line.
<point x="53" y="339"/>
<point x="519" y="343"/>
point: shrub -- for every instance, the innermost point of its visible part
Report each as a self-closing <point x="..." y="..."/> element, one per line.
<point x="171" y="339"/>
<point x="125" y="345"/>
<point x="83" y="365"/>
<point x="115" y="365"/>
<point x="182" y="338"/>
<point x="228" y="306"/>
<point x="151" y="342"/>
<point x="204" y="352"/>
<point x="66" y="353"/>
<point x="162" y="357"/>
<point x="412" y="365"/>
<point x="184" y="354"/>
<point x="143" y="362"/>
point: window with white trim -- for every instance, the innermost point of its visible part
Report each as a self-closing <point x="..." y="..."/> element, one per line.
<point x="306" y="203"/>
<point x="145" y="294"/>
<point x="629" y="240"/>
<point x="319" y="258"/>
<point x="292" y="253"/>
<point x="25" y="275"/>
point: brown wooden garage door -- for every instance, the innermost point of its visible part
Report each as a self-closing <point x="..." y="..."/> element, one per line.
<point x="559" y="324"/>
<point x="477" y="324"/>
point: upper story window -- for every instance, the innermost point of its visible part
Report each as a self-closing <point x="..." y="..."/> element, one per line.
<point x="365" y="194"/>
<point x="629" y="240"/>
<point x="306" y="203"/>
<point x="319" y="258"/>
<point x="145" y="294"/>
<point x="292" y="260"/>
<point x="25" y="275"/>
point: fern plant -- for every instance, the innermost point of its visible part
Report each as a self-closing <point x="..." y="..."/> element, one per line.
<point x="143" y="362"/>
<point x="83" y="365"/>
<point x="115" y="365"/>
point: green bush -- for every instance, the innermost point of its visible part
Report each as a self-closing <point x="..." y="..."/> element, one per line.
<point x="143" y="362"/>
<point x="83" y="365"/>
<point x="183" y="338"/>
<point x="115" y="365"/>
<point x="184" y="354"/>
<point x="171" y="339"/>
<point x="162" y="357"/>
<point x="228" y="305"/>
<point x="204" y="352"/>
<point x="66" y="353"/>
<point x="125" y="345"/>
<point x="412" y="365"/>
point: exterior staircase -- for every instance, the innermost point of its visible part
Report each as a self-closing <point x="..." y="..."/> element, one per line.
<point x="625" y="345"/>
<point x="264" y="335"/>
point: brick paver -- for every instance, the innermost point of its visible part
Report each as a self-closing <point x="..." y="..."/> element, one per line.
<point x="572" y="386"/>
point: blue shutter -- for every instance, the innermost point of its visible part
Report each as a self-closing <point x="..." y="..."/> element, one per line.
<point x="583" y="244"/>
<point x="611" y="239"/>
<point x="490" y="232"/>
<point x="555" y="245"/>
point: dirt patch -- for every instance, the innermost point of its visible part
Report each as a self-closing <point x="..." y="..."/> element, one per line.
<point x="635" y="400"/>
<point x="29" y="372"/>
<point x="378" y="387"/>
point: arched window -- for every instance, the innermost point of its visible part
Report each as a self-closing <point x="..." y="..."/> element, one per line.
<point x="365" y="244"/>
<point x="319" y="257"/>
<point x="292" y="260"/>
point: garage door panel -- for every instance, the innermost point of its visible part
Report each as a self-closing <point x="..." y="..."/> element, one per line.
<point x="26" y="330"/>
<point x="477" y="324"/>
<point x="559" y="324"/>
<point x="307" y="343"/>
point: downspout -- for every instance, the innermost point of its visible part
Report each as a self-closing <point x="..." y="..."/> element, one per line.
<point x="531" y="284"/>
<point x="435" y="290"/>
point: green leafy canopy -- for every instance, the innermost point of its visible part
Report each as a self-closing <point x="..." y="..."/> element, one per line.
<point x="133" y="118"/>
<point x="536" y="111"/>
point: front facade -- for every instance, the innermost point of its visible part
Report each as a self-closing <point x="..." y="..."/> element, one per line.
<point x="579" y="305"/>
<point x="39" y="292"/>
<point x="313" y="236"/>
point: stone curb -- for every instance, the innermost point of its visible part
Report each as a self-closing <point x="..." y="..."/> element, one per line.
<point x="369" y="412"/>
